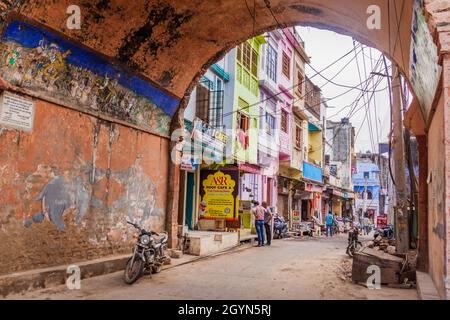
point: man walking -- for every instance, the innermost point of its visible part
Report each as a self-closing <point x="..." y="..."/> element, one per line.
<point x="267" y="223"/>
<point x="258" y="212"/>
<point x="329" y="223"/>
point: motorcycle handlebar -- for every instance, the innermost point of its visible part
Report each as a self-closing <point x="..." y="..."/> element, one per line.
<point x="134" y="225"/>
<point x="140" y="229"/>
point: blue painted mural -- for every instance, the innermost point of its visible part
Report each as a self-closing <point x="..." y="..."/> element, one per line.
<point x="37" y="59"/>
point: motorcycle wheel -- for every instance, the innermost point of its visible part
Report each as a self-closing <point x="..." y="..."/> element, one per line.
<point x="133" y="272"/>
<point x="157" y="269"/>
<point x="354" y="247"/>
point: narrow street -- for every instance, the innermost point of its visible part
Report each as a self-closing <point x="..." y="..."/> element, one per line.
<point x="289" y="269"/>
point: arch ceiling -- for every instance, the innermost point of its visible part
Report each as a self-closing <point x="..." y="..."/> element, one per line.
<point x="173" y="42"/>
<point x="170" y="41"/>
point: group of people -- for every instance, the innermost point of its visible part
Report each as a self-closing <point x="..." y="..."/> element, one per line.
<point x="263" y="221"/>
<point x="331" y="221"/>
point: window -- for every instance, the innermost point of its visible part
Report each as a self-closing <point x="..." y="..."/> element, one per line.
<point x="216" y="115"/>
<point x="202" y="103"/>
<point x="333" y="170"/>
<point x="243" y="122"/>
<point x="284" y="121"/>
<point x="286" y="65"/>
<point x="298" y="137"/>
<point x="242" y="128"/>
<point x="270" y="123"/>
<point x="254" y="68"/>
<point x="366" y="175"/>
<point x="369" y="195"/>
<point x="271" y="64"/>
<point x="247" y="69"/>
<point x="248" y="57"/>
<point x="243" y="105"/>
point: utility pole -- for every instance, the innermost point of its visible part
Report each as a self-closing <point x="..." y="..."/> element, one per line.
<point x="401" y="201"/>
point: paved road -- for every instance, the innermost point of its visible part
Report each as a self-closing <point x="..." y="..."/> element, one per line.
<point x="289" y="269"/>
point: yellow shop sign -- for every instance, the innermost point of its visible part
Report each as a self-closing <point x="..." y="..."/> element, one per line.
<point x="219" y="194"/>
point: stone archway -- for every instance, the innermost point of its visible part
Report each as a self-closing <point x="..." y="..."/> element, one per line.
<point x="171" y="43"/>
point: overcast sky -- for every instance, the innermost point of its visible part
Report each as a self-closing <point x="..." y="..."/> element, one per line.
<point x="324" y="47"/>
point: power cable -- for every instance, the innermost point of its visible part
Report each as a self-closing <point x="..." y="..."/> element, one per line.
<point x="288" y="89"/>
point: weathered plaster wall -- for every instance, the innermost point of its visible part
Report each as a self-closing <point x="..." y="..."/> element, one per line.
<point x="436" y="198"/>
<point x="446" y="106"/>
<point x="68" y="187"/>
<point x="157" y="32"/>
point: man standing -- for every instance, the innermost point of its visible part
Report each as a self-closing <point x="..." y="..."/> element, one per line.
<point x="267" y="223"/>
<point x="258" y="212"/>
<point x="366" y="222"/>
<point x="329" y="223"/>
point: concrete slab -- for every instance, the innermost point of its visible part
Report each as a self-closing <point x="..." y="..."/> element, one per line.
<point x="425" y="287"/>
<point x="203" y="243"/>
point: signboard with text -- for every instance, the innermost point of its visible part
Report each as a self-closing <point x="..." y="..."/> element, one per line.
<point x="219" y="194"/>
<point x="16" y="111"/>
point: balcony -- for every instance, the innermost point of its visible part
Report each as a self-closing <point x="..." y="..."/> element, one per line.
<point x="312" y="172"/>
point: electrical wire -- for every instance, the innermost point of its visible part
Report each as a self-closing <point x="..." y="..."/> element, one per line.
<point x="390" y="133"/>
<point x="290" y="88"/>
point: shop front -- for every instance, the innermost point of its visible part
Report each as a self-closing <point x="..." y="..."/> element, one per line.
<point x="311" y="201"/>
<point x="203" y="147"/>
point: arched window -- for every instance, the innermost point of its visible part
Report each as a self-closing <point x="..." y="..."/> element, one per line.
<point x="369" y="195"/>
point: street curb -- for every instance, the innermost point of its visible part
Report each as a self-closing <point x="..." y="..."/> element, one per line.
<point x="36" y="279"/>
<point x="425" y="287"/>
<point x="50" y="277"/>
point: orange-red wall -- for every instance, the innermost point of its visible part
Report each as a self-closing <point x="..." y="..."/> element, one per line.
<point x="131" y="169"/>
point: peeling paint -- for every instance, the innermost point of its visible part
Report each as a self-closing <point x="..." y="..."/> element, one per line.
<point x="161" y="15"/>
<point x="439" y="230"/>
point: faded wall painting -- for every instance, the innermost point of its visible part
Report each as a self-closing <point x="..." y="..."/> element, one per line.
<point x="36" y="59"/>
<point x="73" y="190"/>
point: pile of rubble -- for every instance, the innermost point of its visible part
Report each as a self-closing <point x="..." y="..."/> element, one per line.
<point x="344" y="270"/>
<point x="396" y="269"/>
<point x="383" y="244"/>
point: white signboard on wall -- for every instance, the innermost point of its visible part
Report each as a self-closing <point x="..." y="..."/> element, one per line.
<point x="16" y="111"/>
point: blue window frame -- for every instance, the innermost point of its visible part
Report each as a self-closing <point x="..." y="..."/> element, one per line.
<point x="271" y="63"/>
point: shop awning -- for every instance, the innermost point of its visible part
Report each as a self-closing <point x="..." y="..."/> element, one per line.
<point x="313" y="127"/>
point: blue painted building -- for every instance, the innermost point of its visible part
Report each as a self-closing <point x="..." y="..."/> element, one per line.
<point x="366" y="182"/>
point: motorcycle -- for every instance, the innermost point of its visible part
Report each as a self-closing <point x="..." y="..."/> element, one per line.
<point x="385" y="232"/>
<point x="280" y="227"/>
<point x="149" y="254"/>
<point x="354" y="245"/>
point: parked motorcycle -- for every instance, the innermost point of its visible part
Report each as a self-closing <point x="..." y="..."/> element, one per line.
<point x="354" y="245"/>
<point x="280" y="227"/>
<point x="149" y="254"/>
<point x="385" y="232"/>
